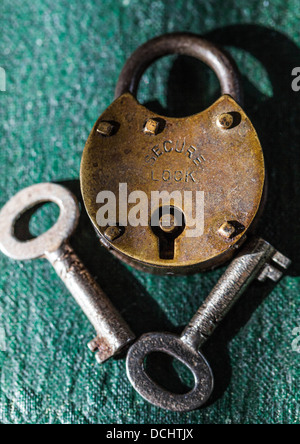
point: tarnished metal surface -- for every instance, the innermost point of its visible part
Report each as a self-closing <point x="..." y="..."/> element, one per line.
<point x="113" y="333"/>
<point x="49" y="241"/>
<point x="152" y="392"/>
<point x="216" y="151"/>
<point x="248" y="265"/>
<point x="256" y="255"/>
<point x="180" y="43"/>
<point x="187" y="154"/>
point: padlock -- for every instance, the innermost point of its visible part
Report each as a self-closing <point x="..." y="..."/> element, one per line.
<point x="210" y="165"/>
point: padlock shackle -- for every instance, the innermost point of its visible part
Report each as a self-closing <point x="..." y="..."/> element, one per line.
<point x="183" y="44"/>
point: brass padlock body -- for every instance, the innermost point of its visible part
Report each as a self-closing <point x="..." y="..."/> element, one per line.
<point x="195" y="153"/>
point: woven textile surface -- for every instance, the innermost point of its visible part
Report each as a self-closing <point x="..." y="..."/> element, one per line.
<point x="62" y="60"/>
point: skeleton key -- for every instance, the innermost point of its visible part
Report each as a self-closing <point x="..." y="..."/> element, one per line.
<point x="255" y="261"/>
<point x="113" y="334"/>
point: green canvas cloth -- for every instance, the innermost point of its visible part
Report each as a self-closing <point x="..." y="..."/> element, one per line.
<point x="62" y="60"/>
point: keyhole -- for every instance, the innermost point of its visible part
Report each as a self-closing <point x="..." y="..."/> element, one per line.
<point x="167" y="224"/>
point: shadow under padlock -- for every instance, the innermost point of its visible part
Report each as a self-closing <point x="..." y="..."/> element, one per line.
<point x="276" y="119"/>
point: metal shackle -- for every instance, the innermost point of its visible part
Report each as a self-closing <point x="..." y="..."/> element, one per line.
<point x="182" y="44"/>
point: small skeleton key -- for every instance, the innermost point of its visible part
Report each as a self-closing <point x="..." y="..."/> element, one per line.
<point x="255" y="261"/>
<point x="112" y="332"/>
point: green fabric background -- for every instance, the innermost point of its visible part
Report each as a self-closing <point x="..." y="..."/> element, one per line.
<point x="62" y="60"/>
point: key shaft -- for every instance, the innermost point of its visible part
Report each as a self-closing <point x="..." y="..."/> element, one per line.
<point x="248" y="265"/>
<point x="112" y="331"/>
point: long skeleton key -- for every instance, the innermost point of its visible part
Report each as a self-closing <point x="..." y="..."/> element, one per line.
<point x="255" y="261"/>
<point x="112" y="332"/>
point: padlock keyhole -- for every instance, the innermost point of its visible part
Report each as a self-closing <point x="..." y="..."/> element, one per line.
<point x="167" y="224"/>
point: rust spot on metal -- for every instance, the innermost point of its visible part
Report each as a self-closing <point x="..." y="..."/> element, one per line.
<point x="112" y="233"/>
<point x="151" y="127"/>
<point x="227" y="230"/>
<point x="102" y="348"/>
<point x="225" y="121"/>
<point x="105" y="128"/>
